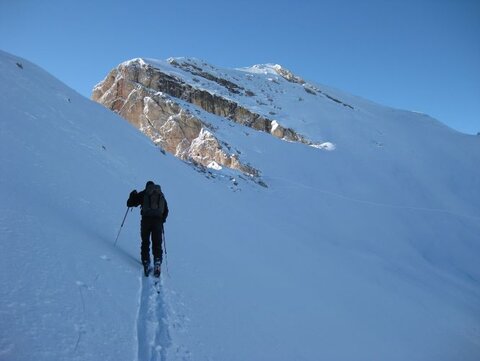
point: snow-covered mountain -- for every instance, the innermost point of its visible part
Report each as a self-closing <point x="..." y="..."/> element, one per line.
<point x="180" y="102"/>
<point x="363" y="247"/>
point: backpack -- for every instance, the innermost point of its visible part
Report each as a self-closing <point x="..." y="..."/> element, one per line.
<point x="153" y="201"/>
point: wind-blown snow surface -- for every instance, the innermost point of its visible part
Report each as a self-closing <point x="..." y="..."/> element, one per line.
<point x="366" y="252"/>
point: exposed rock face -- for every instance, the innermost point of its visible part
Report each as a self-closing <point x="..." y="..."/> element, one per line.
<point x="131" y="91"/>
<point x="205" y="149"/>
<point x="149" y="98"/>
<point x="229" y="109"/>
<point x="288" y="75"/>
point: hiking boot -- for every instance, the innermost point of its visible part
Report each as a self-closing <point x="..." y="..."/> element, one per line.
<point x="146" y="269"/>
<point x="156" y="269"/>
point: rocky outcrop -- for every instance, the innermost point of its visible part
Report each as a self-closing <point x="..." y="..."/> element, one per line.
<point x="288" y="75"/>
<point x="152" y="78"/>
<point x="206" y="150"/>
<point x="130" y="91"/>
<point x="150" y="98"/>
<point x="195" y="70"/>
<point x="229" y="109"/>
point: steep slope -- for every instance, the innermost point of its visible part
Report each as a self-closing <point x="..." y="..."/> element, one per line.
<point x="364" y="252"/>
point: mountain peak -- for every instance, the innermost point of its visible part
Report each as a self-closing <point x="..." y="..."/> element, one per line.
<point x="176" y="100"/>
<point x="275" y="69"/>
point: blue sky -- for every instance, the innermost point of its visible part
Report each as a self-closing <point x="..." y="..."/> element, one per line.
<point x="421" y="55"/>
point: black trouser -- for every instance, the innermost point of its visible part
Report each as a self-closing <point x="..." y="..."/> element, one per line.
<point x="151" y="226"/>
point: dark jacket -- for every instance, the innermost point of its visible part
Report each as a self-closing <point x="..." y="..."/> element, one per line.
<point x="136" y="199"/>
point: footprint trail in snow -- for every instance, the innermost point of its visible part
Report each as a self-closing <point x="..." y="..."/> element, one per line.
<point x="153" y="337"/>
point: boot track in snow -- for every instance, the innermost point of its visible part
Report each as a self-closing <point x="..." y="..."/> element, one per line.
<point x="153" y="338"/>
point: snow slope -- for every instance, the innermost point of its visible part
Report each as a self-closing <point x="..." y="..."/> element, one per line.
<point x="369" y="251"/>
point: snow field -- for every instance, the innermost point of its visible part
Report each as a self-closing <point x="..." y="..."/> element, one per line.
<point x="364" y="252"/>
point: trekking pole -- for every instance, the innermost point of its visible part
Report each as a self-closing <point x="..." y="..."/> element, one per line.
<point x="165" y="248"/>
<point x="116" y="239"/>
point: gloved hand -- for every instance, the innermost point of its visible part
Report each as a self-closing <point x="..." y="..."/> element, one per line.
<point x="131" y="200"/>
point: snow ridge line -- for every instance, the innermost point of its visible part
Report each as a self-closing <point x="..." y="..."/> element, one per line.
<point x="153" y="337"/>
